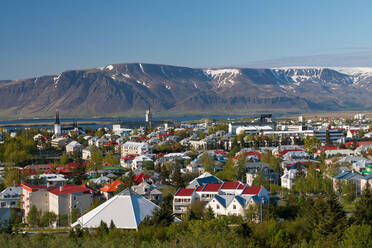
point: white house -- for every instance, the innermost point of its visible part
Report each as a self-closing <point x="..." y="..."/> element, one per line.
<point x="231" y="204"/>
<point x="182" y="200"/>
<point x="138" y="161"/>
<point x="87" y="152"/>
<point x="135" y="148"/>
<point x="73" y="146"/>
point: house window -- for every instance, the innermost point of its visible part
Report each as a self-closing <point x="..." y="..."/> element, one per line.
<point x="218" y="206"/>
<point x="3" y="204"/>
<point x="234" y="206"/>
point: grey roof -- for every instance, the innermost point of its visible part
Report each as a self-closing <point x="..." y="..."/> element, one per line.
<point x="126" y="209"/>
<point x="224" y="200"/>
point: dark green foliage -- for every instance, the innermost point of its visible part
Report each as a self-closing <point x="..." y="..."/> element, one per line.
<point x="363" y="208"/>
<point x="177" y="177"/>
<point x="33" y="217"/>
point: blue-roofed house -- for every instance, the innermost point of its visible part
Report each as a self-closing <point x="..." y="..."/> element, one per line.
<point x="348" y="176"/>
<point x="232" y="205"/>
<point x="203" y="179"/>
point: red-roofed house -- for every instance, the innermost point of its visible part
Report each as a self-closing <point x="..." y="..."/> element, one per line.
<point x="141" y="178"/>
<point x="209" y="191"/>
<point x="258" y="191"/>
<point x="183" y="199"/>
<point x="57" y="200"/>
<point x="231" y="188"/>
<point x="69" y="196"/>
<point x="109" y="189"/>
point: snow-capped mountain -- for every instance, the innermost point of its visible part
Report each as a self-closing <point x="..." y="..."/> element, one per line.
<point x="128" y="88"/>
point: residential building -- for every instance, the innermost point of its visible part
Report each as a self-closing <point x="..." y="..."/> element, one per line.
<point x="73" y="146"/>
<point x="135" y="148"/>
<point x="109" y="189"/>
<point x="10" y="196"/>
<point x="63" y="199"/>
<point x="182" y="200"/>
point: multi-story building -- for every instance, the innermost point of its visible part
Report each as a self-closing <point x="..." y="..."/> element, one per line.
<point x="135" y="148"/>
<point x="59" y="200"/>
<point x="10" y="196"/>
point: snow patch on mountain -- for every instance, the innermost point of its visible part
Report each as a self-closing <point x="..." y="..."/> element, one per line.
<point x="56" y="79"/>
<point x="109" y="67"/>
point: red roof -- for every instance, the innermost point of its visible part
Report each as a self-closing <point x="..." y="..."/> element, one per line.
<point x="251" y="153"/>
<point x="212" y="187"/>
<point x="230" y="185"/>
<point x="328" y="148"/>
<point x="241" y="186"/>
<point x="112" y="187"/>
<point x="70" y="189"/>
<point x="360" y="143"/>
<point x="140" y="178"/>
<point x="130" y="156"/>
<point x="221" y="152"/>
<point x="283" y="152"/>
<point x="34" y="188"/>
<point x="199" y="188"/>
<point x="185" y="192"/>
<point x="253" y="190"/>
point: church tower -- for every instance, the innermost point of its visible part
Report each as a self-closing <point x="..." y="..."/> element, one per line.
<point x="148" y="116"/>
<point x="57" y="125"/>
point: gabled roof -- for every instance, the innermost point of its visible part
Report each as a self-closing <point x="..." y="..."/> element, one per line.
<point x="208" y="180"/>
<point x="126" y="209"/>
<point x="212" y="187"/>
<point x="112" y="187"/>
<point x="70" y="189"/>
<point x="230" y="185"/>
<point x="253" y="190"/>
<point x="224" y="200"/>
<point x="140" y="178"/>
<point x="184" y="192"/>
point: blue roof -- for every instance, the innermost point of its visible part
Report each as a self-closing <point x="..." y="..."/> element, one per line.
<point x="207" y="180"/>
<point x="224" y="199"/>
<point x="367" y="177"/>
<point x="342" y="175"/>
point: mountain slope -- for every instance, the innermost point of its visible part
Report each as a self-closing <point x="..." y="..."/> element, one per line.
<point x="130" y="88"/>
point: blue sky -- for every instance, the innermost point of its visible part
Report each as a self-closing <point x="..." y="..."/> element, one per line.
<point x="48" y="36"/>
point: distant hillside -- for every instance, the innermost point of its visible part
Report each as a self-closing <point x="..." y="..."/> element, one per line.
<point x="129" y="88"/>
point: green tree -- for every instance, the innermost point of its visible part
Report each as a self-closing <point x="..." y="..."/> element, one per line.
<point x="111" y="159"/>
<point x="329" y="220"/>
<point x="363" y="208"/>
<point x="358" y="236"/>
<point x="207" y="161"/>
<point x="48" y="219"/>
<point x="260" y="180"/>
<point x="33" y="217"/>
<point x="209" y="214"/>
<point x="64" y="159"/>
<point x="74" y="214"/>
<point x="229" y="172"/>
<point x="311" y="144"/>
<point x="96" y="158"/>
<point x="361" y="133"/>
<point x="177" y="177"/>
<point x="12" y="176"/>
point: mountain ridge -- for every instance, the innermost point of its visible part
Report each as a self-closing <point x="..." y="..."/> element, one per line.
<point x="128" y="88"/>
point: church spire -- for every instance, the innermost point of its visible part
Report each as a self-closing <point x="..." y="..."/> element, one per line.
<point x="57" y="118"/>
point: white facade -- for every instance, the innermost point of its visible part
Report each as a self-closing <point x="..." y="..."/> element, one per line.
<point x="135" y="148"/>
<point x="10" y="196"/>
<point x="73" y="146"/>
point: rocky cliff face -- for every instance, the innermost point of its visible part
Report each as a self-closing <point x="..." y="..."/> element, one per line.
<point x="130" y="88"/>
